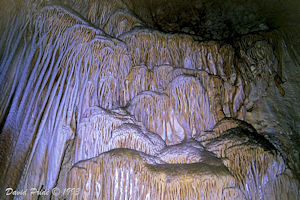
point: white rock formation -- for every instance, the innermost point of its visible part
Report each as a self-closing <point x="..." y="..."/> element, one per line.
<point x="94" y="100"/>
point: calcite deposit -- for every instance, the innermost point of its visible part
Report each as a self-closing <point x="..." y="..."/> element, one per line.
<point x="97" y="98"/>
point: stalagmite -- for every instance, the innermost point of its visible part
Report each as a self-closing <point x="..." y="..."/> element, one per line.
<point x="152" y="178"/>
<point x="99" y="102"/>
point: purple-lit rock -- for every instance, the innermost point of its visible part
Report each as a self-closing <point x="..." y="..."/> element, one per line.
<point x="95" y="104"/>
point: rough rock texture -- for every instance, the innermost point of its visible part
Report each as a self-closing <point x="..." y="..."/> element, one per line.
<point x="95" y="96"/>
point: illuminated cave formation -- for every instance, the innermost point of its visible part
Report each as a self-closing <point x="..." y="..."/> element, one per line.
<point x="170" y="100"/>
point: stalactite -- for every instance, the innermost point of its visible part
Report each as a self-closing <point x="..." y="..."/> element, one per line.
<point x="96" y="130"/>
<point x="254" y="163"/>
<point x="192" y="114"/>
<point x="92" y="99"/>
<point x="148" y="106"/>
<point x="132" y="137"/>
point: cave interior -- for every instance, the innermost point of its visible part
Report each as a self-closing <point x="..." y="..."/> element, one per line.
<point x="149" y="99"/>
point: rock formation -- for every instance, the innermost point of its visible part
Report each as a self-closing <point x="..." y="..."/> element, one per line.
<point x="118" y="101"/>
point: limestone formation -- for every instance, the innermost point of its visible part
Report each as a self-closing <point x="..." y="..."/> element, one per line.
<point x="95" y="97"/>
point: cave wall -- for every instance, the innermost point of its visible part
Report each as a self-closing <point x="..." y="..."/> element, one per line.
<point x="94" y="97"/>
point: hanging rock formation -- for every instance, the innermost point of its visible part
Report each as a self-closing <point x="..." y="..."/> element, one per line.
<point x="101" y="97"/>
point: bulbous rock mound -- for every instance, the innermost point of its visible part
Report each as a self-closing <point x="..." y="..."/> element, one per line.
<point x="93" y="97"/>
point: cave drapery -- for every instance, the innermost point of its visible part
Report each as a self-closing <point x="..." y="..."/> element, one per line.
<point x="135" y="100"/>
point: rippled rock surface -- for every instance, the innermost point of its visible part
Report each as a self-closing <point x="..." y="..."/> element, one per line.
<point x="94" y="97"/>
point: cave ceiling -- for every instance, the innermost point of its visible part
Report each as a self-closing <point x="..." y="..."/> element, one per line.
<point x="213" y="19"/>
